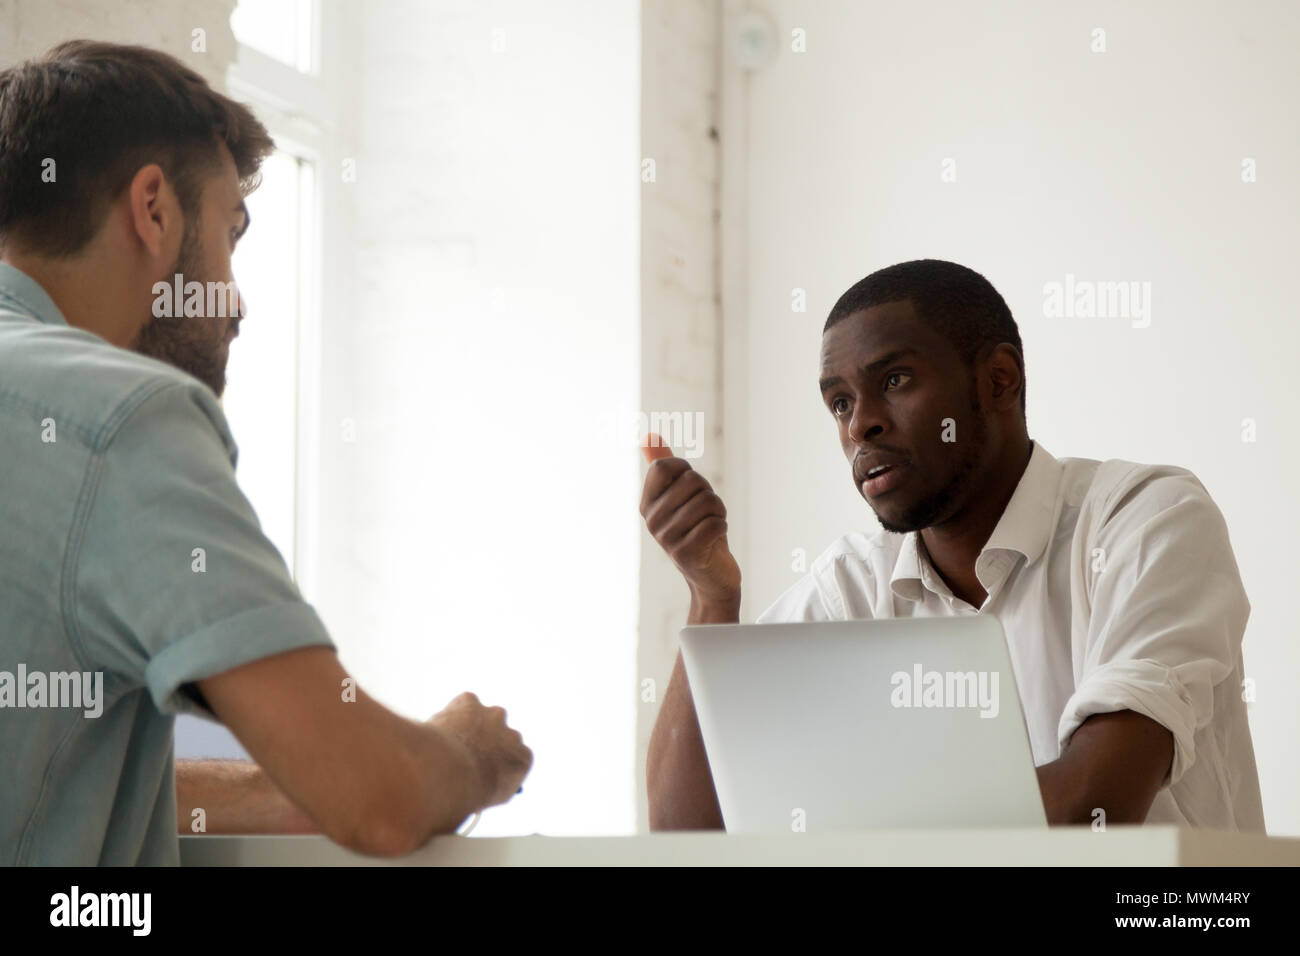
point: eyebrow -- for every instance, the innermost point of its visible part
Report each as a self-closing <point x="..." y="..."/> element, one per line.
<point x="828" y="383"/>
<point x="243" y="207"/>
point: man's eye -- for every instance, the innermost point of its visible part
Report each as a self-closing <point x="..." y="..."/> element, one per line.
<point x="836" y="406"/>
<point x="893" y="375"/>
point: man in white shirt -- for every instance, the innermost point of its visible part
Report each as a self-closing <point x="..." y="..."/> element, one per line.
<point x="1115" y="582"/>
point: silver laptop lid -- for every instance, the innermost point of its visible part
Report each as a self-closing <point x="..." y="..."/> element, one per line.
<point x="850" y="725"/>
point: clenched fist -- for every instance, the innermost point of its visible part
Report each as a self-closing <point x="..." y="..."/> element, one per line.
<point x="496" y="752"/>
<point x="689" y="521"/>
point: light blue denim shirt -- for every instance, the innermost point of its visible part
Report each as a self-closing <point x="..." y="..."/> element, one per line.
<point x="129" y="560"/>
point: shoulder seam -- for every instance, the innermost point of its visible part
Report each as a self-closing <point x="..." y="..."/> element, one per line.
<point x="1121" y="490"/>
<point x="93" y="438"/>
<point x="16" y="400"/>
<point x="128" y="406"/>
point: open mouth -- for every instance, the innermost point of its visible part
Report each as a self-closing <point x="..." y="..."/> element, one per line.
<point x="883" y="479"/>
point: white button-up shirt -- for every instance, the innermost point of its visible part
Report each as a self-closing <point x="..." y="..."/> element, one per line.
<point x="1117" y="588"/>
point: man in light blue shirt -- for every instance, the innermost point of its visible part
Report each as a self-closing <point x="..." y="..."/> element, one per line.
<point x="135" y="581"/>
<point x="127" y="553"/>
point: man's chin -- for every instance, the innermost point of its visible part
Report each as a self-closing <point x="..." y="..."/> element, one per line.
<point x="888" y="522"/>
<point x="215" y="381"/>
<point x="911" y="519"/>
<point x="897" y="528"/>
<point x="210" y="376"/>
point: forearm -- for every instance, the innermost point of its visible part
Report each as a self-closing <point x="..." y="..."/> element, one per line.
<point x="1063" y="800"/>
<point x="368" y="778"/>
<point x="679" y="784"/>
<point x="234" y="796"/>
<point x="1072" y="795"/>
<point x="1115" y="762"/>
<point x="448" y="781"/>
<point x="408" y="781"/>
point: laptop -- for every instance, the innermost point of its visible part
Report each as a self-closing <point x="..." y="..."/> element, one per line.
<point x="859" y="725"/>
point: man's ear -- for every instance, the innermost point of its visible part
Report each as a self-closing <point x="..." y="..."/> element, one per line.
<point x="155" y="211"/>
<point x="1007" y="371"/>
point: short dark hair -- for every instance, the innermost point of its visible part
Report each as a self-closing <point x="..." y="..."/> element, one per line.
<point x="956" y="301"/>
<point x="102" y="111"/>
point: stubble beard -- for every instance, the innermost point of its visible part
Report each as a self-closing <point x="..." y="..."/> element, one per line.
<point x="192" y="344"/>
<point x="925" y="513"/>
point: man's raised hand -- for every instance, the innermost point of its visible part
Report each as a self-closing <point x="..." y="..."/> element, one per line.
<point x="689" y="521"/>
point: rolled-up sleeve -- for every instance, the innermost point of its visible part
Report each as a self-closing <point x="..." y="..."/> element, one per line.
<point x="1167" y="613"/>
<point x="172" y="578"/>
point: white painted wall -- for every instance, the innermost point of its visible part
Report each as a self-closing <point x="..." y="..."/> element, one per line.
<point x="485" y="536"/>
<point x="1123" y="165"/>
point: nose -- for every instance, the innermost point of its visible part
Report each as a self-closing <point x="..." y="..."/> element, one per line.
<point x="866" y="422"/>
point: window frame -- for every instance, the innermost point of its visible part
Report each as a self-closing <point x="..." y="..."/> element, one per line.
<point x="300" y="110"/>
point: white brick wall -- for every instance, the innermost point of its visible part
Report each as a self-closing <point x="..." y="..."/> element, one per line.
<point x="680" y="314"/>
<point x="30" y="27"/>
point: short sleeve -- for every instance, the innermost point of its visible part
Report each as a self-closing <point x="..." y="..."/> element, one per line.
<point x="1168" y="611"/>
<point x="801" y="603"/>
<point x="173" y="579"/>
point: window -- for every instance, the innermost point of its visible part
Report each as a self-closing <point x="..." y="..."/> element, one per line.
<point x="282" y="29"/>
<point x="271" y="391"/>
<point x="262" y="388"/>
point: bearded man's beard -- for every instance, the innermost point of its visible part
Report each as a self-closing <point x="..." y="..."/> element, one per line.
<point x="193" y="344"/>
<point x="925" y="513"/>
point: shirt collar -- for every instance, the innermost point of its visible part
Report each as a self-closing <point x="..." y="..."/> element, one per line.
<point x="1024" y="529"/>
<point x="24" y="295"/>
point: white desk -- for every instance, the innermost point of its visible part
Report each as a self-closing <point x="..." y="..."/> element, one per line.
<point x="1075" y="846"/>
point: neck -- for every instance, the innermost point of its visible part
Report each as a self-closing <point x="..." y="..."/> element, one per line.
<point x="954" y="545"/>
<point x="90" y="294"/>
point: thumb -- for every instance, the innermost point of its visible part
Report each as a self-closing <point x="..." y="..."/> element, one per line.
<point x="654" y="448"/>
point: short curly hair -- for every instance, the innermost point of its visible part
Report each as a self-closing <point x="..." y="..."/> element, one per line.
<point x="956" y="301"/>
<point x="100" y="112"/>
